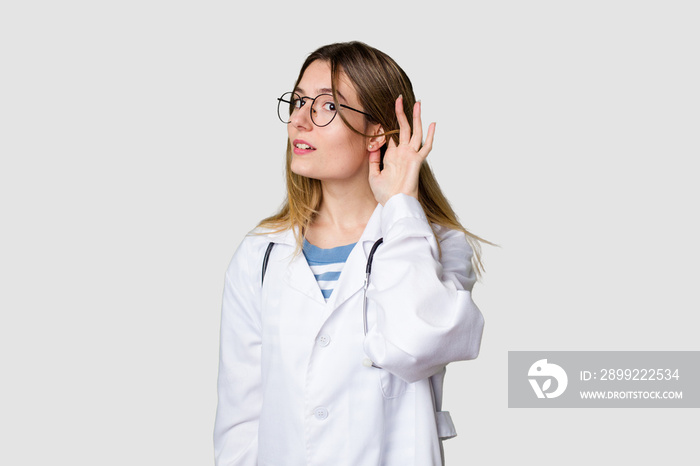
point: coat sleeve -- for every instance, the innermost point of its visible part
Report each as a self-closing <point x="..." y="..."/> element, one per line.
<point x="424" y="316"/>
<point x="239" y="382"/>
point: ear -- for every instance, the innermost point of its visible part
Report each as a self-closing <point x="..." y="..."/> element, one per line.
<point x="375" y="142"/>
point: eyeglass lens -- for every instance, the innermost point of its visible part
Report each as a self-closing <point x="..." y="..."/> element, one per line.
<point x="323" y="108"/>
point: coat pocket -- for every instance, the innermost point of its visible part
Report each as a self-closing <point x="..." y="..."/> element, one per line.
<point x="392" y="386"/>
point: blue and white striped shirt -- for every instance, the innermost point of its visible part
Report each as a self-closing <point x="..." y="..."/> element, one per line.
<point x="326" y="264"/>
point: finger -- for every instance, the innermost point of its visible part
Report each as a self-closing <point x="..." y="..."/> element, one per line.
<point x="428" y="146"/>
<point x="389" y="154"/>
<point x="404" y="126"/>
<point x="417" y="138"/>
<point x="374" y="159"/>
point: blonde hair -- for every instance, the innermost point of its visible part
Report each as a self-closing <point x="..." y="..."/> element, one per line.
<point x="378" y="80"/>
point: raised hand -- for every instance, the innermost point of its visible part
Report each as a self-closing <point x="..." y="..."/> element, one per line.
<point x="401" y="163"/>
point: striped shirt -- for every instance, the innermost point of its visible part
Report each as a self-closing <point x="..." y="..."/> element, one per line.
<point x="326" y="264"/>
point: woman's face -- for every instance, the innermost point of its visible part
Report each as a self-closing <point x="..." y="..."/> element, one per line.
<point x="333" y="152"/>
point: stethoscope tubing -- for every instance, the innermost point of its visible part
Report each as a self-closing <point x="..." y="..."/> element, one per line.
<point x="368" y="271"/>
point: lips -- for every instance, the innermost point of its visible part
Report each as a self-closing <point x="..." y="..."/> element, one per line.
<point x="302" y="147"/>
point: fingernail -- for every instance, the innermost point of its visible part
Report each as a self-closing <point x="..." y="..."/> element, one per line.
<point x="418" y="101"/>
<point x="400" y="97"/>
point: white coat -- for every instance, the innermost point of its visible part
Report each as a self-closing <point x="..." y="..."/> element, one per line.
<point x="293" y="389"/>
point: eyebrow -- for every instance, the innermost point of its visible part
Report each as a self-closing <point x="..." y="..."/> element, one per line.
<point x="323" y="90"/>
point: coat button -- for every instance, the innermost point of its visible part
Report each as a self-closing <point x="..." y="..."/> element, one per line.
<point x="323" y="340"/>
<point x="320" y="413"/>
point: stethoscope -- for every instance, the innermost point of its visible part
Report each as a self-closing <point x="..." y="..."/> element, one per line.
<point x="368" y="270"/>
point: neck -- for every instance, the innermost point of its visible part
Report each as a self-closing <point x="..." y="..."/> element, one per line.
<point x="343" y="215"/>
<point x="346" y="206"/>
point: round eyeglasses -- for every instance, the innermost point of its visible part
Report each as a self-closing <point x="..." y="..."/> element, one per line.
<point x="322" y="109"/>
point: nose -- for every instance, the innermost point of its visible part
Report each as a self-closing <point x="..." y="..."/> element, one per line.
<point x="301" y="118"/>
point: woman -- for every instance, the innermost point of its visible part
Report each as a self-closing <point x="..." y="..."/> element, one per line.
<point x="308" y="375"/>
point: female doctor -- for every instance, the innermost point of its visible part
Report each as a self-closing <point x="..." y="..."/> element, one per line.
<point x="316" y="369"/>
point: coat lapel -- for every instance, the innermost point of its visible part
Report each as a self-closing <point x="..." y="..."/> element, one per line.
<point x="298" y="275"/>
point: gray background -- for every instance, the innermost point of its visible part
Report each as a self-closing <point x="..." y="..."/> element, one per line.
<point x="139" y="143"/>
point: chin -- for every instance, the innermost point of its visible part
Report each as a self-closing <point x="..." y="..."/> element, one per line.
<point x="306" y="171"/>
<point x="301" y="167"/>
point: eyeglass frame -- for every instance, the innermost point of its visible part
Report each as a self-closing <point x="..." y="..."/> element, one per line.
<point x="313" y="100"/>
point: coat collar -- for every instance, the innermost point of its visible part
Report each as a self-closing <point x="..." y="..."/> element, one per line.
<point x="300" y="277"/>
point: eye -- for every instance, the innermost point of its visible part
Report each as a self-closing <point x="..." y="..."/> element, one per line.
<point x="329" y="106"/>
<point x="297" y="103"/>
